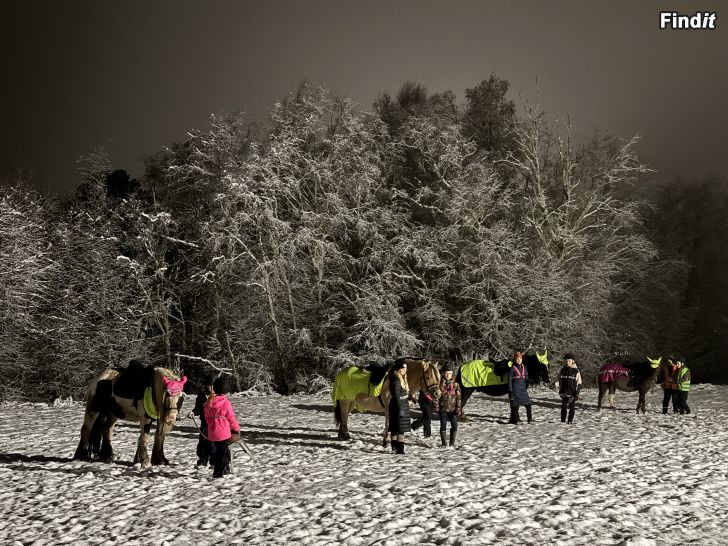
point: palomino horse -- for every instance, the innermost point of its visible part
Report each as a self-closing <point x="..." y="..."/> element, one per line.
<point x="136" y="393"/>
<point x="421" y="375"/>
<point x="492" y="377"/>
<point x="639" y="376"/>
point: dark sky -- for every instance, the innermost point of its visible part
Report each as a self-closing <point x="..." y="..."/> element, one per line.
<point x="135" y="76"/>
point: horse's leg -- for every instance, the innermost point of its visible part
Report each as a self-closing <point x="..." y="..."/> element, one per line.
<point x="164" y="427"/>
<point x="641" y="402"/>
<point x="466" y="394"/>
<point x="612" y="390"/>
<point x="343" y="407"/>
<point x="106" y="453"/>
<point x="142" y="455"/>
<point x="83" y="451"/>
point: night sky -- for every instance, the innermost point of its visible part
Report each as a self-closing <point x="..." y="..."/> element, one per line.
<point x="136" y="76"/>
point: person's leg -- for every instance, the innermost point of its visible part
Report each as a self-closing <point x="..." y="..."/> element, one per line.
<point x="679" y="395"/>
<point x="564" y="404"/>
<point x="666" y="400"/>
<point x="684" y="402"/>
<point x="572" y="409"/>
<point x="514" y="415"/>
<point x="675" y="401"/>
<point x="453" y="418"/>
<point x="220" y="459"/>
<point x="426" y="407"/>
<point x="443" y="428"/>
<point x="529" y="413"/>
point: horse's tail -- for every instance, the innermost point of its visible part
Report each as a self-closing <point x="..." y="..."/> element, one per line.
<point x="337" y="413"/>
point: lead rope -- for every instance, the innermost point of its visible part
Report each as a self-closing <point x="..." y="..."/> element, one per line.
<point x="240" y="442"/>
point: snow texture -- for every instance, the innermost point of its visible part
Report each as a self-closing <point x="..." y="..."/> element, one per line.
<point x="610" y="478"/>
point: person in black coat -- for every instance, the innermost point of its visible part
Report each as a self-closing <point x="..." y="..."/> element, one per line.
<point x="399" y="414"/>
<point x="204" y="446"/>
<point x="518" y="389"/>
<point x="569" y="387"/>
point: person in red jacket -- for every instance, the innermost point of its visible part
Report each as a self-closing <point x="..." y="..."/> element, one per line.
<point x="221" y="425"/>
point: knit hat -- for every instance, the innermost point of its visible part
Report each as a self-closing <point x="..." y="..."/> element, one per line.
<point x="569" y="356"/>
<point x="400" y="363"/>
<point x="221" y="385"/>
<point x="447" y="368"/>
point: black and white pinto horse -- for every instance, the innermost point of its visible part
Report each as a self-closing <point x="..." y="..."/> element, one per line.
<point x="491" y="378"/>
<point x="137" y="393"/>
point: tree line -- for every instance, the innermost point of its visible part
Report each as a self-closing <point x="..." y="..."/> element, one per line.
<point x="333" y="235"/>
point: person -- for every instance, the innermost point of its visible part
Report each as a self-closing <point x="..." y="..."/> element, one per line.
<point x="449" y="406"/>
<point x="424" y="400"/>
<point x="682" y="379"/>
<point x="518" y="389"/>
<point x="669" y="385"/>
<point x="399" y="414"/>
<point x="569" y="387"/>
<point x="222" y="425"/>
<point x="204" y="446"/>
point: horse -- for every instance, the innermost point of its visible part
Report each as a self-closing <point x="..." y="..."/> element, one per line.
<point x="369" y="390"/>
<point x="491" y="378"/>
<point x="637" y="376"/>
<point x="136" y="393"/>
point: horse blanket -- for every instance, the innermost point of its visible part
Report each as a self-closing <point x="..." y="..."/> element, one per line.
<point x="352" y="381"/>
<point x="612" y="371"/>
<point x="480" y="373"/>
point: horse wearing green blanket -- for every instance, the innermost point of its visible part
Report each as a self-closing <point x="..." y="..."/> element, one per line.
<point x="492" y="377"/>
<point x="367" y="390"/>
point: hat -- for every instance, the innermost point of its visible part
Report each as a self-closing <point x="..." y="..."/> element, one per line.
<point x="400" y="363"/>
<point x="447" y="368"/>
<point x="569" y="356"/>
<point x="221" y="385"/>
<point x="210" y="379"/>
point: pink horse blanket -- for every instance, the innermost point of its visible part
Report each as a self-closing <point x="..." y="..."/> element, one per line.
<point x="611" y="372"/>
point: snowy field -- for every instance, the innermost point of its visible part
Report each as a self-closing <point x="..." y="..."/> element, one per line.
<point x="611" y="478"/>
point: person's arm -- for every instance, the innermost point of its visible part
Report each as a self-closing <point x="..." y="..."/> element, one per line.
<point x="230" y="414"/>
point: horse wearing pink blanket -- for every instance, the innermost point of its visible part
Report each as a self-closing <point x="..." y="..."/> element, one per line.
<point x="639" y="376"/>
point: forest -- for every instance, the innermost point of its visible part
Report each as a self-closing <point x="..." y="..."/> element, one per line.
<point x="335" y="234"/>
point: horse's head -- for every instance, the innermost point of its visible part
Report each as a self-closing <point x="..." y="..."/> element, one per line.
<point x="424" y="375"/>
<point x="654" y="362"/>
<point x="172" y="393"/>
<point x="538" y="367"/>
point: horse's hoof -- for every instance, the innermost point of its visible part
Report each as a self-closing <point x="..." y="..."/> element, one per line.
<point x="344" y="436"/>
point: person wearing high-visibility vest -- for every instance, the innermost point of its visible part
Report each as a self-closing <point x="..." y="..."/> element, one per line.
<point x="682" y="378"/>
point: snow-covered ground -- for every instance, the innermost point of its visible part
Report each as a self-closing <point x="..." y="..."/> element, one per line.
<point x="611" y="478"/>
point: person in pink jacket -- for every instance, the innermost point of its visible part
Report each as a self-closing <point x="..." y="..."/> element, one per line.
<point x="221" y="425"/>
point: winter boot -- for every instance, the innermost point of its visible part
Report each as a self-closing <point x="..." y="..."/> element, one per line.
<point x="400" y="448"/>
<point x="514" y="416"/>
<point x="563" y="414"/>
<point x="664" y="410"/>
<point x="393" y="443"/>
<point x="443" y="437"/>
<point x="529" y="415"/>
<point x="453" y="437"/>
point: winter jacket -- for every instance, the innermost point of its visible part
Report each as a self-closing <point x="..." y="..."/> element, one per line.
<point x="220" y="419"/>
<point x="518" y="385"/>
<point x="399" y="414"/>
<point x="683" y="379"/>
<point x="668" y="377"/>
<point x="450" y="399"/>
<point x="569" y="381"/>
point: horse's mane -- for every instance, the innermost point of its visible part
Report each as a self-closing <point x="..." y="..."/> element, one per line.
<point x="640" y="369"/>
<point x="377" y="370"/>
